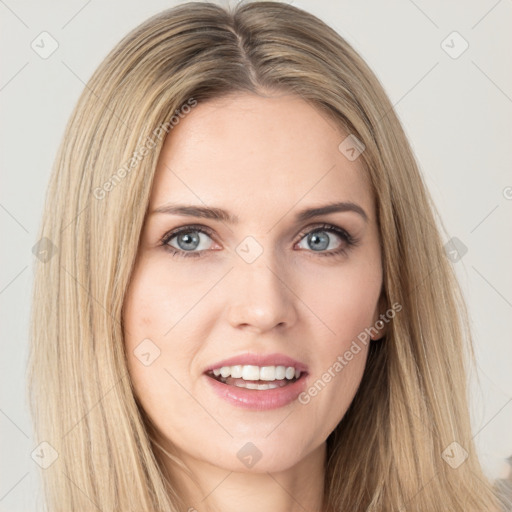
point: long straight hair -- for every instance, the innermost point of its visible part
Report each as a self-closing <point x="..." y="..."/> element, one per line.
<point x="387" y="452"/>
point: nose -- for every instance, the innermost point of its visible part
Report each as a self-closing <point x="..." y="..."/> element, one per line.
<point x="261" y="296"/>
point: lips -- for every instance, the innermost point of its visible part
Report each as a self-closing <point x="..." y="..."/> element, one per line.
<point x="280" y="381"/>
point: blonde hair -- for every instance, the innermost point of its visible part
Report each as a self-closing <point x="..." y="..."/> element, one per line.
<point x="386" y="453"/>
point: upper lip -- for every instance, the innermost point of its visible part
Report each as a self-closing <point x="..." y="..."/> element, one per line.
<point x="259" y="360"/>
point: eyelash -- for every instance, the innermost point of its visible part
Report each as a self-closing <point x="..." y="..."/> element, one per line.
<point x="349" y="240"/>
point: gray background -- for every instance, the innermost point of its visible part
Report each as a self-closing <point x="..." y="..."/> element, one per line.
<point x="457" y="113"/>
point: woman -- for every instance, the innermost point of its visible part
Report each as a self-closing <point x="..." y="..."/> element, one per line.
<point x="192" y="348"/>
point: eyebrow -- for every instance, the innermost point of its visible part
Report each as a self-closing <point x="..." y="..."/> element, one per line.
<point x="224" y="216"/>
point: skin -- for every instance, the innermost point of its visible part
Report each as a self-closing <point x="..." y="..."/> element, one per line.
<point x="262" y="158"/>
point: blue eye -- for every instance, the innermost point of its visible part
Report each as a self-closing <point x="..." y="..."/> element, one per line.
<point x="319" y="240"/>
<point x="187" y="240"/>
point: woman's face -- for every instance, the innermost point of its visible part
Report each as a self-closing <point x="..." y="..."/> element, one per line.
<point x="256" y="281"/>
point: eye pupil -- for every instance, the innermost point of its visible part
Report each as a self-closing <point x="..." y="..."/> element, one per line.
<point x="188" y="239"/>
<point x="322" y="238"/>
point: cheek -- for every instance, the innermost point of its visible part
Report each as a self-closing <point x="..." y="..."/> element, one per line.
<point x="155" y="302"/>
<point x="161" y="342"/>
<point x="345" y="308"/>
<point x="331" y="391"/>
<point x="344" y="299"/>
<point x="145" y="320"/>
<point x="164" y="296"/>
<point x="143" y="314"/>
<point x="340" y="356"/>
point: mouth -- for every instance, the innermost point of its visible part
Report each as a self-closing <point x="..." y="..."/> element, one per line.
<point x="259" y="382"/>
<point x="260" y="378"/>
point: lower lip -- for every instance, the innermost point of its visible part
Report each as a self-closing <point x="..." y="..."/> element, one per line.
<point x="258" y="400"/>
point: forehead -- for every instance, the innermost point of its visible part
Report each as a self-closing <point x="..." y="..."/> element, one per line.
<point x="254" y="155"/>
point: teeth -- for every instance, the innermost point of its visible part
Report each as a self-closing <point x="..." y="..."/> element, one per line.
<point x="280" y="372"/>
<point x="237" y="371"/>
<point x="251" y="372"/>
<point x="260" y="387"/>
<point x="267" y="372"/>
